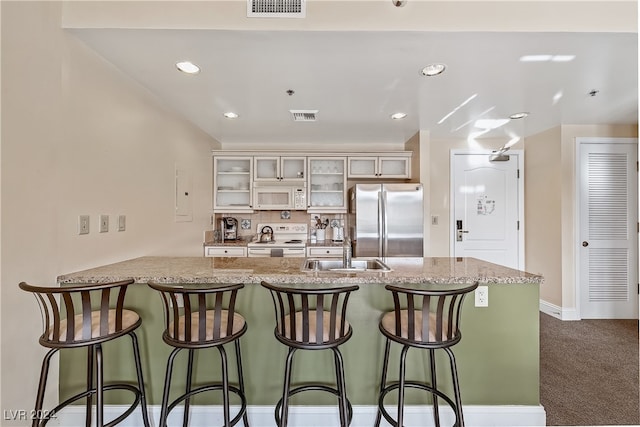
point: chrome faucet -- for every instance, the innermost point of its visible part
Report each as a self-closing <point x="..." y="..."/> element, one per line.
<point x="346" y="253"/>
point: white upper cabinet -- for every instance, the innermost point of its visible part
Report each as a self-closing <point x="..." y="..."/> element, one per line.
<point x="327" y="184"/>
<point x="379" y="167"/>
<point x="280" y="168"/>
<point x="232" y="183"/>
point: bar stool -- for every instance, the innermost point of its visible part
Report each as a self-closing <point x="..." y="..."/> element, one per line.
<point x="427" y="318"/>
<point x="312" y="319"/>
<point x="94" y="314"/>
<point x="199" y="316"/>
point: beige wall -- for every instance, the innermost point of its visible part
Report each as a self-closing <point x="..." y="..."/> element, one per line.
<point x="551" y="236"/>
<point x="543" y="207"/>
<point x="79" y="138"/>
<point x="569" y="233"/>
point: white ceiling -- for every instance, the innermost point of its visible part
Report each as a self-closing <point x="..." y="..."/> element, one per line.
<point x="356" y="80"/>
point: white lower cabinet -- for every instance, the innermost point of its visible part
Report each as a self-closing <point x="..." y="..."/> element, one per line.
<point x="220" y="251"/>
<point x="324" y="251"/>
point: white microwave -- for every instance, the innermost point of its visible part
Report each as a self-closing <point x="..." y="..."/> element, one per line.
<point x="279" y="197"/>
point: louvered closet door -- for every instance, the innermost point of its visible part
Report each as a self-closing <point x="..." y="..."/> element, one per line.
<point x="608" y="231"/>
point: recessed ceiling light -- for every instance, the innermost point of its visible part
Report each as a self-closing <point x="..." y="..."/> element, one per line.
<point x="433" y="70"/>
<point x="188" y="67"/>
<point x="520" y="115"/>
<point x="230" y="115"/>
<point x="398" y="116"/>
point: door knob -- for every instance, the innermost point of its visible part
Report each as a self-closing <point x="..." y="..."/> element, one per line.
<point x="585" y="244"/>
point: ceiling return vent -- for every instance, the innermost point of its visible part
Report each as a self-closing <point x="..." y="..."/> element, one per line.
<point x="304" y="115"/>
<point x="276" y="8"/>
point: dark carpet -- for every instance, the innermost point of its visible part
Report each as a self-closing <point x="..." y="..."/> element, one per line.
<point x="589" y="372"/>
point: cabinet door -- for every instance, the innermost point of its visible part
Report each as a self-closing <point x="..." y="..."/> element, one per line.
<point x="363" y="167"/>
<point x="293" y="169"/>
<point x="266" y="168"/>
<point x="222" y="251"/>
<point x="394" y="167"/>
<point x="327" y="184"/>
<point x="232" y="184"/>
<point x="324" y="251"/>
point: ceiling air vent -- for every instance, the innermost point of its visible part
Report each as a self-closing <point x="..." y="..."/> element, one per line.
<point x="276" y="8"/>
<point x="304" y="115"/>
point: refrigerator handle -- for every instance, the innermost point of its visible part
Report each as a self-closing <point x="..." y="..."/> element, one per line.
<point x="380" y="223"/>
<point x="383" y="234"/>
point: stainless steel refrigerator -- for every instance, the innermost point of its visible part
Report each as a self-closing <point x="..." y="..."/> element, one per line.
<point x="387" y="219"/>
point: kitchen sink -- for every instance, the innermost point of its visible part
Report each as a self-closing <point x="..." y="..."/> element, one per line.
<point x="336" y="265"/>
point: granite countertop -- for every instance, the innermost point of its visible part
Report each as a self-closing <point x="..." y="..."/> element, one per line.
<point x="239" y="242"/>
<point x="323" y="243"/>
<point x="288" y="270"/>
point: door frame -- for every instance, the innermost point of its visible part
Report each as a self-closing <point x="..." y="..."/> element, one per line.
<point x="521" y="234"/>
<point x="577" y="289"/>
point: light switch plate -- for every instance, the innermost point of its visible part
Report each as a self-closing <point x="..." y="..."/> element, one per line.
<point x="83" y="224"/>
<point x="104" y="223"/>
<point x="122" y="223"/>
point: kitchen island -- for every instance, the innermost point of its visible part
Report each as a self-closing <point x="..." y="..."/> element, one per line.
<point x="498" y="358"/>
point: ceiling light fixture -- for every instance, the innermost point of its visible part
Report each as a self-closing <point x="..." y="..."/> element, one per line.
<point x="187" y="67"/>
<point x="521" y="115"/>
<point x="230" y="115"/>
<point x="398" y="116"/>
<point x="433" y="70"/>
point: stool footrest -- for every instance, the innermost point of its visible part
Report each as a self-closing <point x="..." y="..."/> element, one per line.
<point x="312" y="387"/>
<point x="93" y="391"/>
<point x="212" y="387"/>
<point x="416" y="385"/>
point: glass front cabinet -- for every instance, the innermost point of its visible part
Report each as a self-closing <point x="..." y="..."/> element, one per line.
<point x="379" y="167"/>
<point x="279" y="168"/>
<point x="232" y="182"/>
<point x="327" y="184"/>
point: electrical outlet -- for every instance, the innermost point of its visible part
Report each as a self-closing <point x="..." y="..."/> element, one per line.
<point x="482" y="296"/>
<point x="83" y="224"/>
<point x="104" y="223"/>
<point x="434" y="219"/>
<point x="122" y="223"/>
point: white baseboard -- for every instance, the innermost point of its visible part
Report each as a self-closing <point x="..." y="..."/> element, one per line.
<point x="321" y="416"/>
<point x="558" y="312"/>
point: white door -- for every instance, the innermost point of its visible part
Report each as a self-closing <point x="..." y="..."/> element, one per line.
<point x="608" y="235"/>
<point x="487" y="209"/>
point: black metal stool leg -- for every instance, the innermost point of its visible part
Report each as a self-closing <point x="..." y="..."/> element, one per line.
<point x="44" y="373"/>
<point x="99" y="387"/>
<point x="341" y="387"/>
<point x="225" y="386"/>
<point x="164" y="410"/>
<point x="284" y="416"/>
<point x="434" y="384"/>
<point x="187" y="402"/>
<point x="90" y="360"/>
<point x="143" y="398"/>
<point x="403" y="368"/>
<point x="383" y="380"/>
<point x="245" y="418"/>
<point x="456" y="388"/>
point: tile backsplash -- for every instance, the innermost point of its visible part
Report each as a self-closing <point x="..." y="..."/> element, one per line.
<point x="262" y="217"/>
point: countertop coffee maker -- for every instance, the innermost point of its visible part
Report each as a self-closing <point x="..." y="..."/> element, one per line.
<point x="229" y="228"/>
